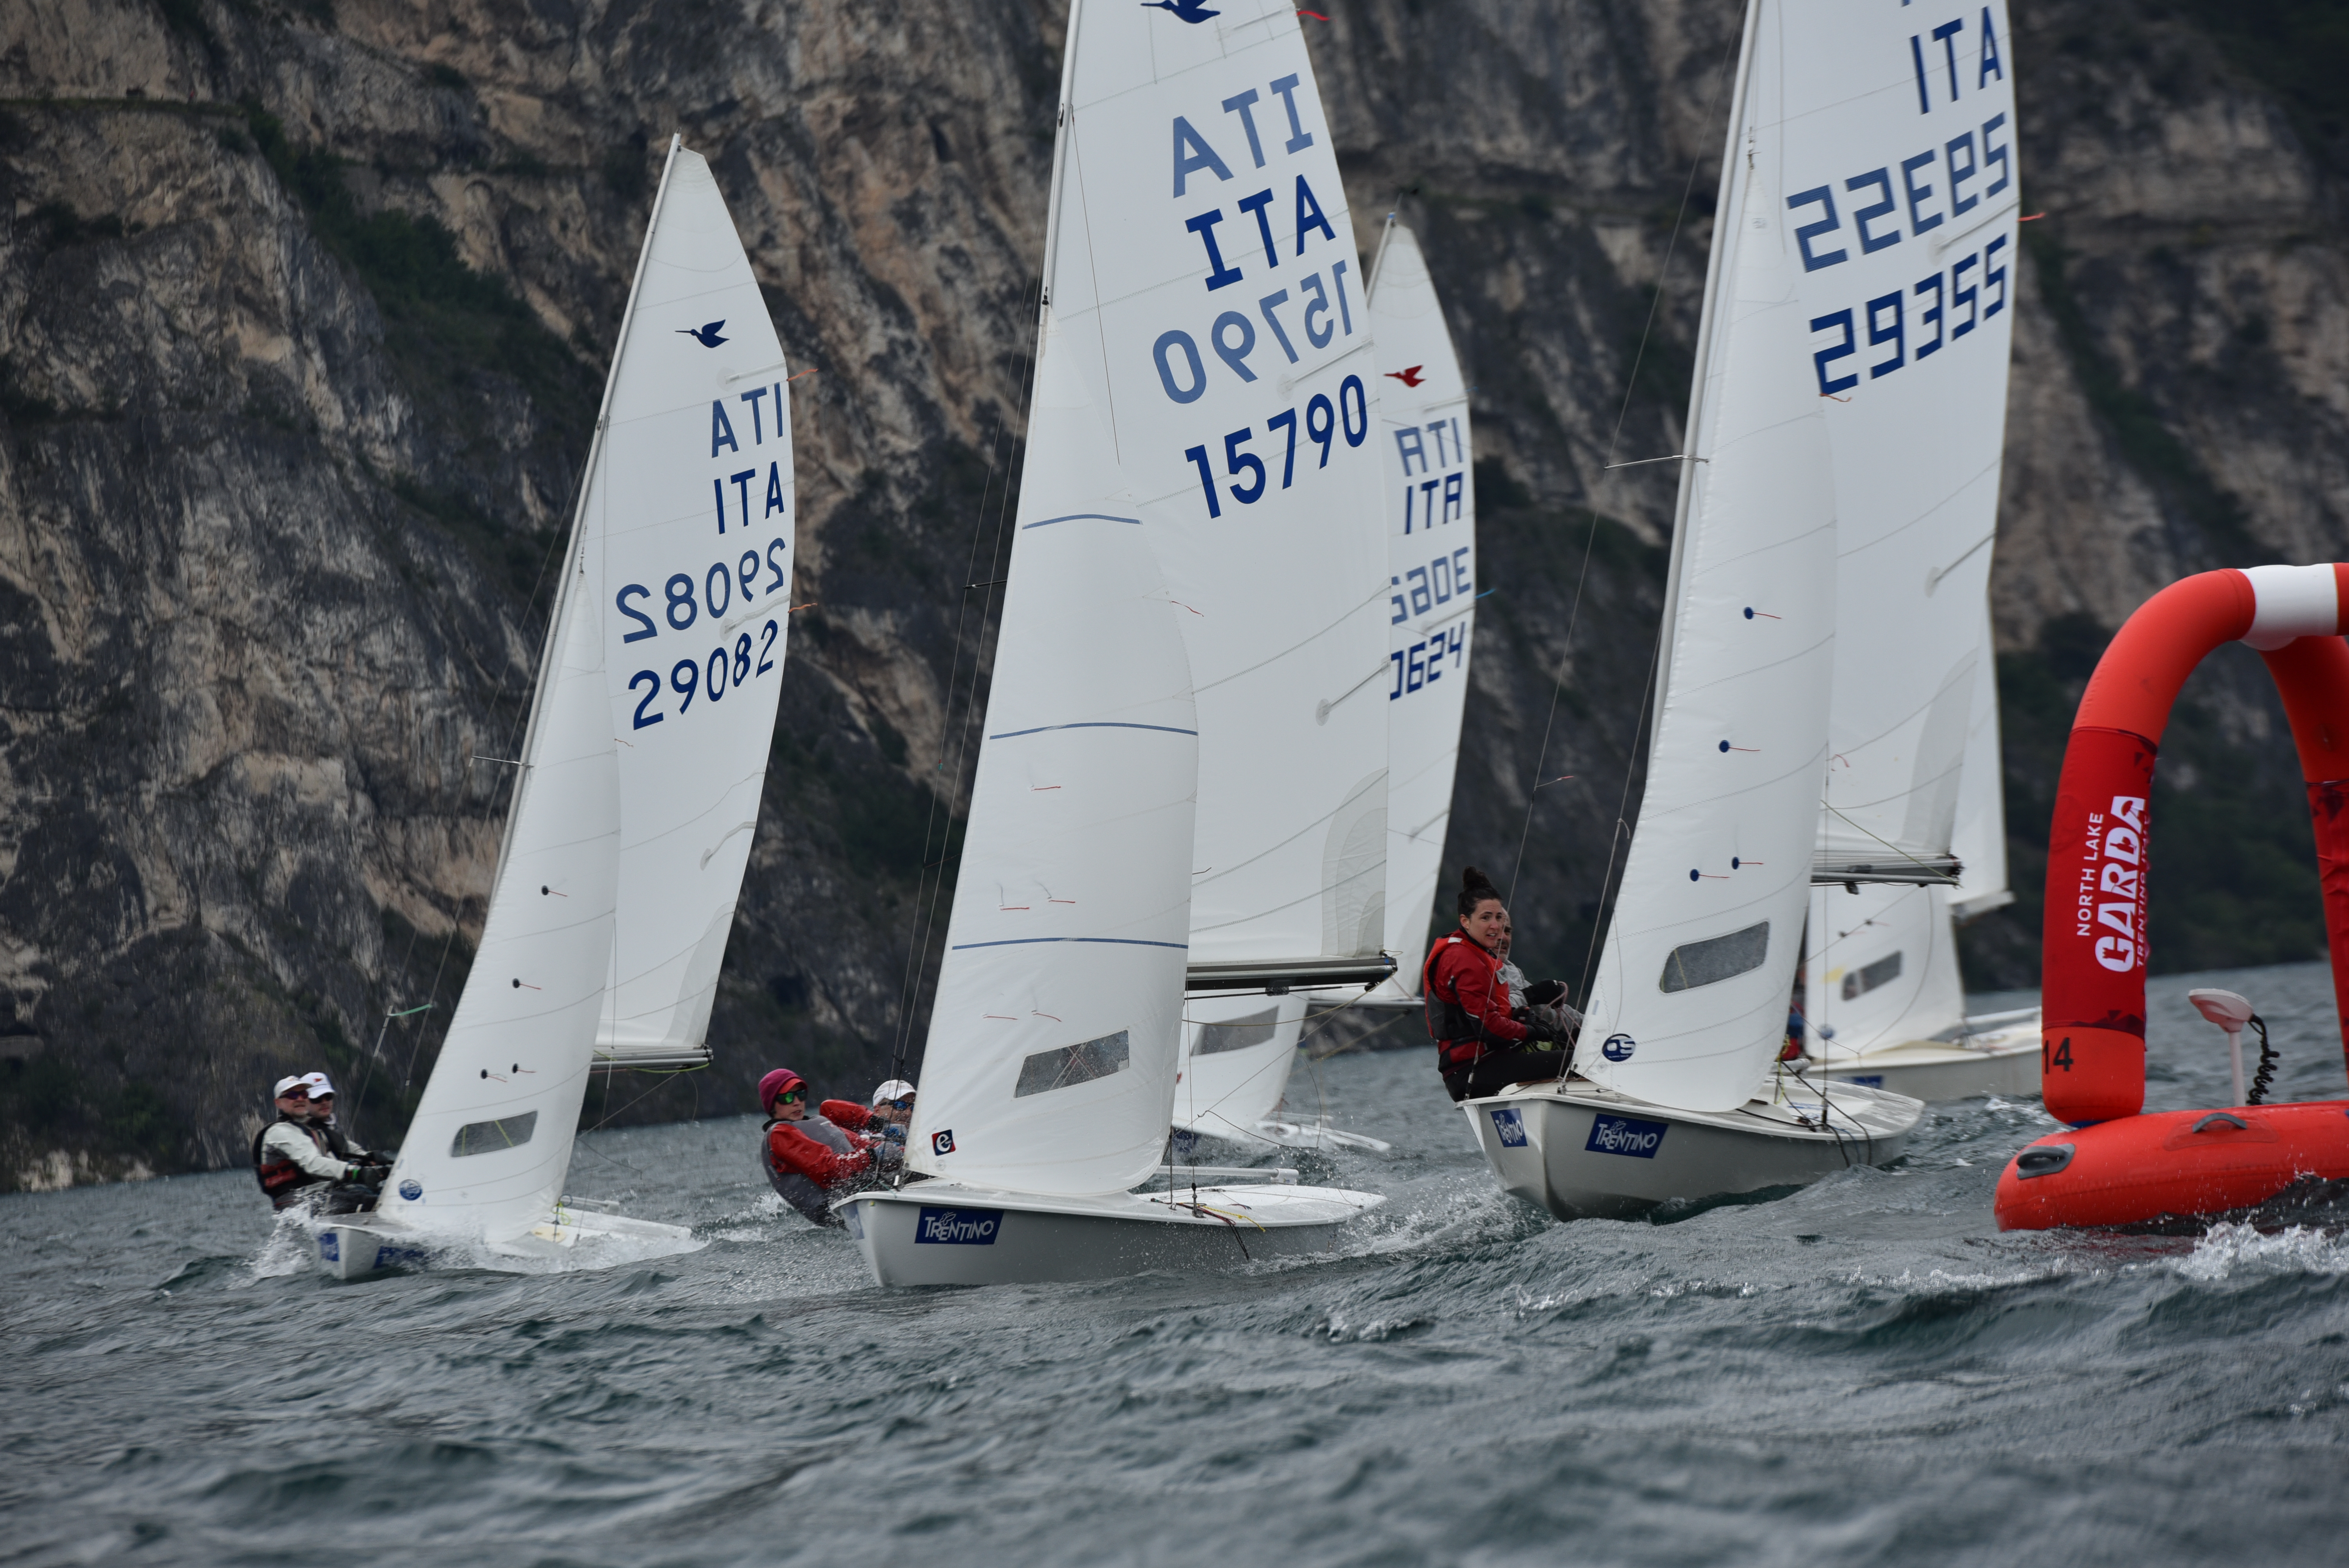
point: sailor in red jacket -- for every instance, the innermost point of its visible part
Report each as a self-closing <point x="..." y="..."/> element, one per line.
<point x="809" y="1158"/>
<point x="1485" y="1040"/>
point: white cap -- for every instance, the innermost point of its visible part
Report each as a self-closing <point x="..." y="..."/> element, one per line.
<point x="895" y="1088"/>
<point x="318" y="1085"/>
<point x="286" y="1085"/>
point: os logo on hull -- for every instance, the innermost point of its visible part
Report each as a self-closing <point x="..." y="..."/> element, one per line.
<point x="412" y="1189"/>
<point x="1511" y="1126"/>
<point x="958" y="1227"/>
<point x="1618" y="1047"/>
<point x="330" y="1248"/>
<point x="1625" y="1135"/>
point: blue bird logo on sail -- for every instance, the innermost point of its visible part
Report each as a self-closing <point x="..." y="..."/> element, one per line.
<point x="706" y="333"/>
<point x="1183" y="10"/>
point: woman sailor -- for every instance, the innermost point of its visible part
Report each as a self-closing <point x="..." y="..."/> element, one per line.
<point x="1485" y="1040"/>
<point x="811" y="1159"/>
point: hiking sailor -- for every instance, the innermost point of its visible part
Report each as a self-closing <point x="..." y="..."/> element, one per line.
<point x="322" y="1120"/>
<point x="1484" y="1039"/>
<point x="886" y="1117"/>
<point x="810" y="1159"/>
<point x="296" y="1166"/>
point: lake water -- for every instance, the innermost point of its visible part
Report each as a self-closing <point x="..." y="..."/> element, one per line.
<point x="1864" y="1372"/>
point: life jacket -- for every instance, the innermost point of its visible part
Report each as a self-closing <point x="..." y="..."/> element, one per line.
<point x="1460" y="1035"/>
<point x="799" y="1190"/>
<point x="283" y="1181"/>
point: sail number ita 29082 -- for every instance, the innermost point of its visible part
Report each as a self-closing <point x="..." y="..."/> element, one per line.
<point x="685" y="601"/>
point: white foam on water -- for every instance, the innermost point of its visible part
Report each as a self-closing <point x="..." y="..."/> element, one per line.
<point x="2227" y="1248"/>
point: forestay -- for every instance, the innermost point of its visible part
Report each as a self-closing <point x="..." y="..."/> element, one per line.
<point x="1431" y="521"/>
<point x="1049" y="1067"/>
<point x="694" y="503"/>
<point x="1202" y="269"/>
<point x="1897" y="165"/>
<point x="1699" y="959"/>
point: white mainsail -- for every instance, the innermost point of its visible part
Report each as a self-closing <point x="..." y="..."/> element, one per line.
<point x="1431" y="531"/>
<point x="694" y="505"/>
<point x="1698" y="962"/>
<point x="1203" y="272"/>
<point x="490" y="1146"/>
<point x="1897" y="153"/>
<point x="1049" y="1067"/>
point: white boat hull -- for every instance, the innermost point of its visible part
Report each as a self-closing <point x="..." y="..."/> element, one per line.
<point x="2001" y="1060"/>
<point x="938" y="1233"/>
<point x="352" y="1246"/>
<point x="1585" y="1152"/>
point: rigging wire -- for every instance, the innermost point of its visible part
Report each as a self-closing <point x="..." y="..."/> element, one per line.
<point x="1630" y="383"/>
<point x="929" y="890"/>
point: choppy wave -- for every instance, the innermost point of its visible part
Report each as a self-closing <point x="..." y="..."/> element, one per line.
<point x="1862" y="1371"/>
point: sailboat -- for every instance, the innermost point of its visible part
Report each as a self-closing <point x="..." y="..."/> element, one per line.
<point x="1239" y="1052"/>
<point x="1181" y="786"/>
<point x="1863" y="242"/>
<point x="1881" y="959"/>
<point x="640" y="773"/>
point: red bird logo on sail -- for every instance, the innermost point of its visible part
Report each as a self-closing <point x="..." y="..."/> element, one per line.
<point x="1411" y="378"/>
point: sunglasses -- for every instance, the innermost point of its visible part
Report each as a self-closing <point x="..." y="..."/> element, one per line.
<point x="904" y="1104"/>
<point x="295" y="1094"/>
<point x="790" y="1097"/>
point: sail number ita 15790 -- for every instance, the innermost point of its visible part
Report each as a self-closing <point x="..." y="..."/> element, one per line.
<point x="1323" y="424"/>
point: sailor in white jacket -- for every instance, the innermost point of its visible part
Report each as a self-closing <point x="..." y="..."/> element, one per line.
<point x="291" y="1156"/>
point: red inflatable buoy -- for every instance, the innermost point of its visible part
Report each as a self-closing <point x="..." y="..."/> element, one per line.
<point x="2173" y="1163"/>
<point x="2118" y="1167"/>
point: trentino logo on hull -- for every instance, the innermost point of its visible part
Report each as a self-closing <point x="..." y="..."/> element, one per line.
<point x="1625" y="1135"/>
<point x="958" y="1227"/>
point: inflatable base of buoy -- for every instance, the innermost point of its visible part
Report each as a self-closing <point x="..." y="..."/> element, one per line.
<point x="2173" y="1164"/>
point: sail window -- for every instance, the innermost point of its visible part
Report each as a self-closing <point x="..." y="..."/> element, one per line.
<point x="1255" y="1029"/>
<point x="1075" y="1063"/>
<point x="487" y="1136"/>
<point x="1860" y="981"/>
<point x="1717" y="958"/>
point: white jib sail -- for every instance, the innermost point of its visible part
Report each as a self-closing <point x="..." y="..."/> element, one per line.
<point x="1238" y="1052"/>
<point x="694" y="504"/>
<point x="1431" y="587"/>
<point x="1689" y="1001"/>
<point x="1980" y="839"/>
<point x="1883" y="963"/>
<point x="1050" y="1062"/>
<point x="1202" y="269"/>
<point x="1882" y="968"/>
<point x="1898" y="172"/>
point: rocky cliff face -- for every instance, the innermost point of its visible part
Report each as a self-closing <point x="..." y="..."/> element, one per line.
<point x="302" y="314"/>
